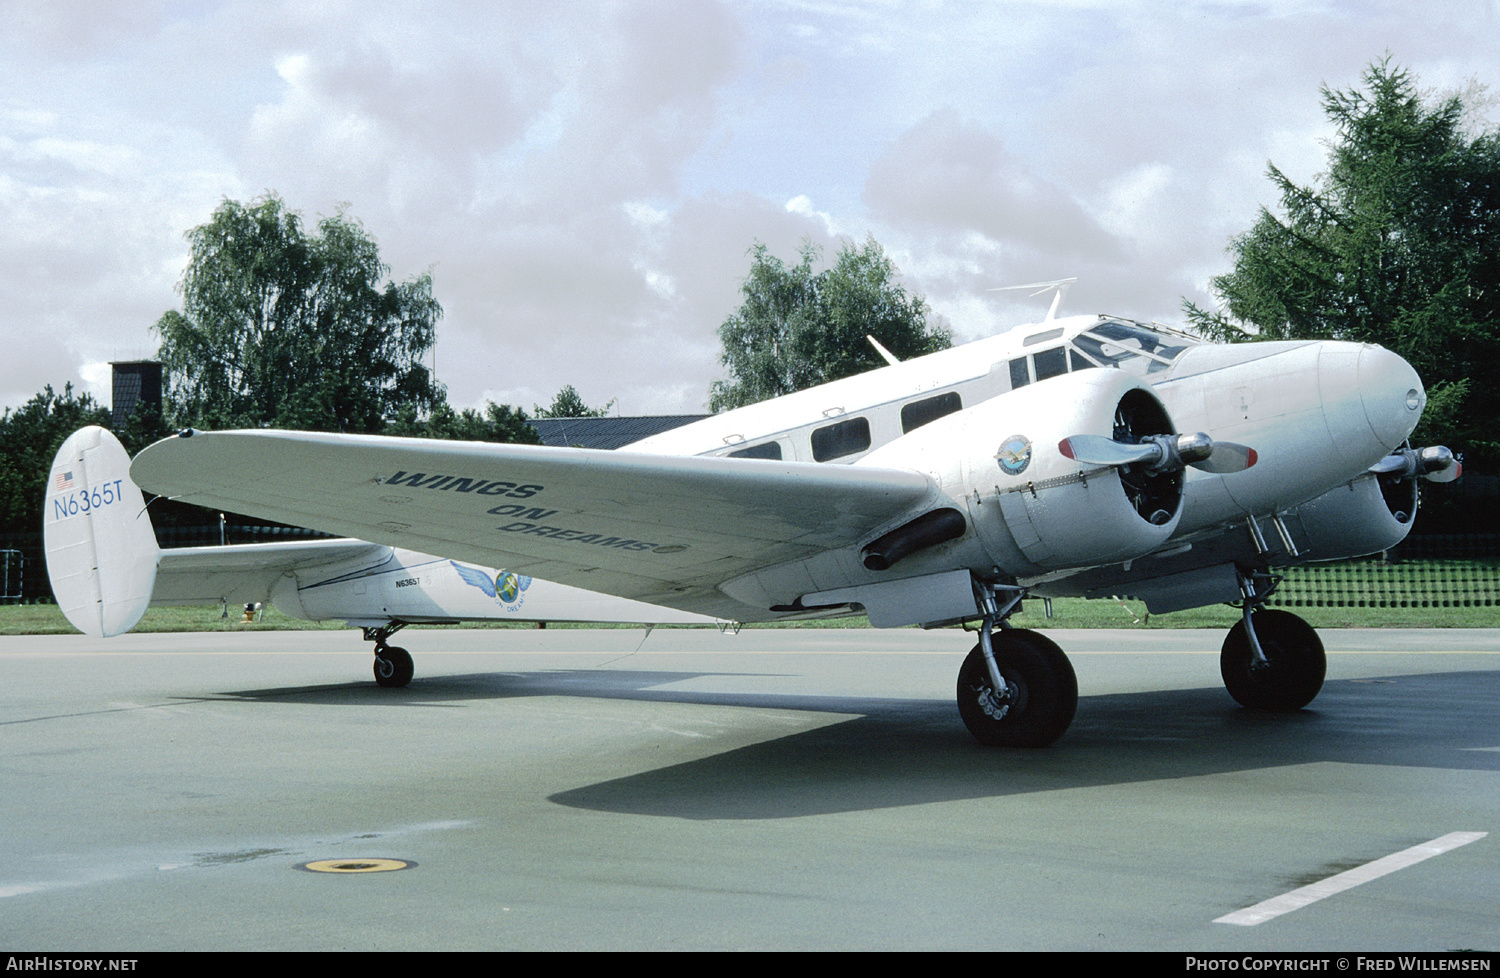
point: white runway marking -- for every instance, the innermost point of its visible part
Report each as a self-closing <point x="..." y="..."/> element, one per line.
<point x="1301" y="897"/>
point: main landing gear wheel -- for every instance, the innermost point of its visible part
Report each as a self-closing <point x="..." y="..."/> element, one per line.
<point x="393" y="666"/>
<point x="1040" y="697"/>
<point x="1292" y="673"/>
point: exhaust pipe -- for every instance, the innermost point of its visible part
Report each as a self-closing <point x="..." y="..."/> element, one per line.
<point x="927" y="530"/>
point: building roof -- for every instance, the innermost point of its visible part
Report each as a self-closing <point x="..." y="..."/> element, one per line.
<point x="606" y="432"/>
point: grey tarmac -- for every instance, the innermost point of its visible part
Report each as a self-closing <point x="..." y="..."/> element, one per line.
<point x="801" y="789"/>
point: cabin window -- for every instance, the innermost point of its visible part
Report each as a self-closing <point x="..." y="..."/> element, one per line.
<point x="918" y="413"/>
<point x="767" y="449"/>
<point x="1050" y="363"/>
<point x="1019" y="375"/>
<point x="1079" y="361"/>
<point x="837" y="440"/>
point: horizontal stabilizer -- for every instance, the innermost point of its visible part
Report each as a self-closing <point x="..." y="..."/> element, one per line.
<point x="246" y="572"/>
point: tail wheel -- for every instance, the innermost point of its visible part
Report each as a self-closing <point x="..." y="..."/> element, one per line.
<point x="393" y="666"/>
<point x="1040" y="697"/>
<point x="1292" y="673"/>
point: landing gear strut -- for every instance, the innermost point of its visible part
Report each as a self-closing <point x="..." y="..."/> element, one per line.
<point x="1016" y="688"/>
<point x="1272" y="660"/>
<point x="393" y="665"/>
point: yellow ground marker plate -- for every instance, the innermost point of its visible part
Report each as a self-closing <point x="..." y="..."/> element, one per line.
<point x="355" y="865"/>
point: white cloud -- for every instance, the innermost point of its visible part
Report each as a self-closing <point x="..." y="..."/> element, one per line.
<point x="584" y="181"/>
<point x="98" y="380"/>
<point x="644" y="215"/>
<point x="802" y="206"/>
<point x="1135" y="202"/>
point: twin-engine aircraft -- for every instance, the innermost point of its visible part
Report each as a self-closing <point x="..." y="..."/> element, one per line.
<point x="1087" y="456"/>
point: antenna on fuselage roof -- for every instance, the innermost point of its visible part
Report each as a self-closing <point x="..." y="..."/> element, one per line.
<point x="887" y="355"/>
<point x="1061" y="285"/>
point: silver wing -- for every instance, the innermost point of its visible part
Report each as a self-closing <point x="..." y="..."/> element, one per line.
<point x="662" y="529"/>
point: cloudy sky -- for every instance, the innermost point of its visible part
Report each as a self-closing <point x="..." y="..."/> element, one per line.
<point x="583" y="180"/>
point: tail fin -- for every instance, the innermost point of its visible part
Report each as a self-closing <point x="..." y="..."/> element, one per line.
<point x="101" y="550"/>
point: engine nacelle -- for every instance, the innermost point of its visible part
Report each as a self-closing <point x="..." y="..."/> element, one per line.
<point x="1370" y="514"/>
<point x="1032" y="508"/>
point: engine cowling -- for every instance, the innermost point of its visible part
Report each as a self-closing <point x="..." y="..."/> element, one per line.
<point x="1370" y="514"/>
<point x="1033" y="509"/>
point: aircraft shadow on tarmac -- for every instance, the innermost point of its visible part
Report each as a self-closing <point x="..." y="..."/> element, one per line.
<point x="899" y="752"/>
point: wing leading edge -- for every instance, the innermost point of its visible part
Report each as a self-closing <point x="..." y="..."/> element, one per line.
<point x="662" y="529"/>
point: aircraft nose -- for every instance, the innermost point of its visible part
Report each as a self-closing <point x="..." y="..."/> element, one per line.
<point x="1392" y="393"/>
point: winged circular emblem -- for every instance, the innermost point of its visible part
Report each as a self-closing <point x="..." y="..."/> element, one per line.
<point x="507" y="587"/>
<point x="1014" y="454"/>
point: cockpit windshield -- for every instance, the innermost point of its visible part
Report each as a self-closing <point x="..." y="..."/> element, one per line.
<point x="1130" y="346"/>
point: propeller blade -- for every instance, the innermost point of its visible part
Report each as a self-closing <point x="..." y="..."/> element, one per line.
<point x="1161" y="452"/>
<point x="1098" y="450"/>
<point x="1439" y="464"/>
<point x="1227" y="456"/>
<point x="1446" y="475"/>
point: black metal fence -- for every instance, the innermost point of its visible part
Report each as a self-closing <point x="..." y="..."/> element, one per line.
<point x="1377" y="584"/>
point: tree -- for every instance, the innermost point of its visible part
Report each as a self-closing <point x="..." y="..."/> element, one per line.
<point x="1398" y="243"/>
<point x="292" y="330"/>
<point x="797" y="328"/>
<point x="29" y="438"/>
<point x="498" y="422"/>
<point x="145" y="426"/>
<point x="569" y="404"/>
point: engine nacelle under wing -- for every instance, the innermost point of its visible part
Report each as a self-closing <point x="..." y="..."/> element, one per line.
<point x="1367" y="515"/>
<point x="1370" y="514"/>
<point x="1026" y="508"/>
<point x="1032" y="508"/>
